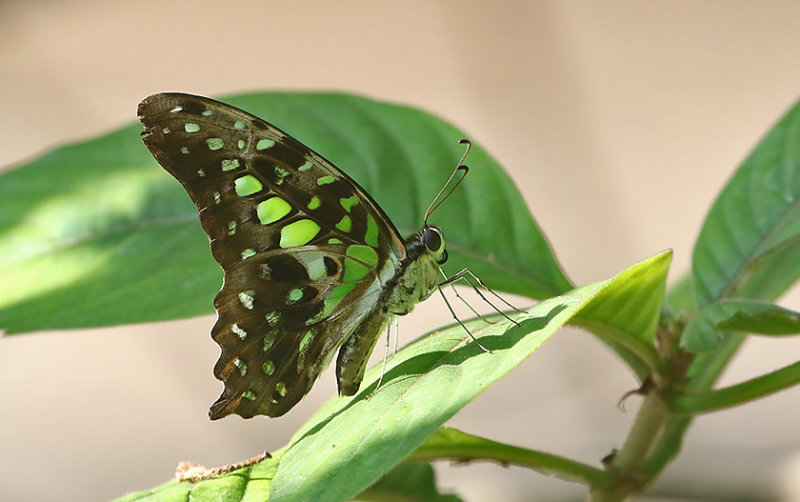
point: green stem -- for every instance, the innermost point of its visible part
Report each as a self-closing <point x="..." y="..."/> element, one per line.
<point x="708" y="370"/>
<point x="477" y="448"/>
<point x="704" y="402"/>
<point x="643" y="437"/>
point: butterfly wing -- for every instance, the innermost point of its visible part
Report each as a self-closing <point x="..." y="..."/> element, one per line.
<point x="305" y="250"/>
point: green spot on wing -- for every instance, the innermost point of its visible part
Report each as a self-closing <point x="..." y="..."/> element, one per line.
<point x="314" y="203"/>
<point x="247" y="297"/>
<point x="242" y="334"/>
<point x="241" y="366"/>
<point x="248" y="395"/>
<point x="238" y="124"/>
<point x="191" y="127"/>
<point x="263" y="144"/>
<point x="354" y="270"/>
<point x="365" y="254"/>
<point x="272" y="320"/>
<point x="371" y="237"/>
<point x="325" y="180"/>
<point x="268" y="367"/>
<point x="272" y="210"/>
<point x="269" y="341"/>
<point x="334" y="299"/>
<point x="305" y="167"/>
<point x="295" y="295"/>
<point x="298" y="233"/>
<point x="349" y="202"/>
<point x="280" y="175"/>
<point x="345" y="224"/>
<point x="230" y="164"/>
<point x="215" y="143"/>
<point x="247" y="185"/>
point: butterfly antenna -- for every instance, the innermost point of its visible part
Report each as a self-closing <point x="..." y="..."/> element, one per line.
<point x="437" y="201"/>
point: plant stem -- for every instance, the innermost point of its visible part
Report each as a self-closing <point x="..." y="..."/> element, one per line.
<point x="642" y="438"/>
<point x="708" y="370"/>
<point x="473" y="448"/>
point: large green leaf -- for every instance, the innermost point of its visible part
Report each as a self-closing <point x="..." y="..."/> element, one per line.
<point x="96" y="233"/>
<point x="749" y="245"/>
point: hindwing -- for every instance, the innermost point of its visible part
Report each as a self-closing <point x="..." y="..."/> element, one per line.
<point x="305" y="251"/>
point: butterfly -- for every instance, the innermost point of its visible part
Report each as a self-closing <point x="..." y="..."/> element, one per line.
<point x="311" y="262"/>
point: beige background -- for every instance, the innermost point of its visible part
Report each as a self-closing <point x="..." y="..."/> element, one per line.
<point x="619" y="121"/>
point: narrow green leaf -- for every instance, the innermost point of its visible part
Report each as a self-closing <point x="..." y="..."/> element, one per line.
<point x="350" y="442"/>
<point x="625" y="315"/>
<point x="411" y="481"/>
<point x="97" y="233"/>
<point x="707" y="328"/>
<point x="749" y="246"/>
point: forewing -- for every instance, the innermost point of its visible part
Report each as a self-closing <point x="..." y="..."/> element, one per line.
<point x="253" y="183"/>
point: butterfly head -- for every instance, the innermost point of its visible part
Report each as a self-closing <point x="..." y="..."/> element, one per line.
<point x="434" y="243"/>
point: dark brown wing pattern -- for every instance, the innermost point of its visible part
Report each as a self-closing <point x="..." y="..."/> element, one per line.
<point x="304" y="249"/>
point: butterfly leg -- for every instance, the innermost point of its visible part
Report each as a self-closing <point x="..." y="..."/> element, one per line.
<point x="466" y="274"/>
<point x="453" y="312"/>
<point x="465" y="302"/>
<point x="396" y="333"/>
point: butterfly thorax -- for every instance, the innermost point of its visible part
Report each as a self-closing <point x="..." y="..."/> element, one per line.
<point x="419" y="271"/>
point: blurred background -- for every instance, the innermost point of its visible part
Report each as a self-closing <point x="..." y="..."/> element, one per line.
<point x="619" y="121"/>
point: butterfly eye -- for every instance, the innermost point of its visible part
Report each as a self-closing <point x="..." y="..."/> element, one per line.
<point x="432" y="239"/>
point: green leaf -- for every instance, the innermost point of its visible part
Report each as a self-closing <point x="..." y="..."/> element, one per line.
<point x="681" y="296"/>
<point x="350" y="442"/>
<point x="707" y="328"/>
<point x="411" y="481"/>
<point x="749" y="246"/>
<point x="625" y="315"/>
<point x="97" y="233"/>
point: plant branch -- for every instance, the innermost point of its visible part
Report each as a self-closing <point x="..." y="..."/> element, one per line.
<point x="470" y="448"/>
<point x="714" y="400"/>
